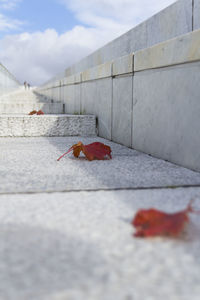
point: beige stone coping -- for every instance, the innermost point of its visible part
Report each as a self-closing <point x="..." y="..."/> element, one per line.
<point x="76" y="78"/>
<point x="182" y="49"/>
<point x="123" y="65"/>
<point x="100" y="71"/>
<point x="55" y="84"/>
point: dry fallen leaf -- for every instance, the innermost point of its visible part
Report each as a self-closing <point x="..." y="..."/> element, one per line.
<point x="92" y="151"/>
<point x="152" y="222"/>
<point x="35" y="112"/>
<point x="40" y="112"/>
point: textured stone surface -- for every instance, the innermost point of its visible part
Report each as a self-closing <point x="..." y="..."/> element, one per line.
<point x="166" y="114"/>
<point x="56" y="94"/>
<point x="56" y="83"/>
<point x="103" y="107"/>
<point x="23" y="96"/>
<point x="129" y="42"/>
<point x="171" y="22"/>
<point x="96" y="98"/>
<point x="8" y="82"/>
<point x="80" y="246"/>
<point x="196" y="14"/>
<point x="98" y="72"/>
<point x="62" y="95"/>
<point x="88" y="97"/>
<point x="46" y="93"/>
<point x="180" y="50"/>
<point x="49" y="93"/>
<point x="72" y="98"/>
<point x="123" y="65"/>
<point x="76" y="78"/>
<point x="122" y="110"/>
<point x="30" y="165"/>
<point x="47" y="125"/>
<point x="25" y="108"/>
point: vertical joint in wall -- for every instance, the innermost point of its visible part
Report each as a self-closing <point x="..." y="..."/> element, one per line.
<point x="111" y="121"/>
<point x="80" y="105"/>
<point x="192" y="15"/>
<point x="132" y="105"/>
<point x="59" y="97"/>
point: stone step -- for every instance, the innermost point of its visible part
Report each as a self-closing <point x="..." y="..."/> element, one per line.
<point x="27" y="100"/>
<point x="26" y="108"/>
<point x="24" y="100"/>
<point x="66" y="232"/>
<point x="23" y="97"/>
<point x="47" y="125"/>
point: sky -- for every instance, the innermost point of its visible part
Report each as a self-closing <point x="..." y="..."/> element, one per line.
<point x="41" y="38"/>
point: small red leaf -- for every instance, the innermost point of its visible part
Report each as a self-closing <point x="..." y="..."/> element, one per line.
<point x="35" y="112"/>
<point x="40" y="112"/>
<point x="92" y="151"/>
<point x="96" y="151"/>
<point x="152" y="222"/>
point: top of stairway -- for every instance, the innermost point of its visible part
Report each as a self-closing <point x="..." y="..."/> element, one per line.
<point x="20" y="96"/>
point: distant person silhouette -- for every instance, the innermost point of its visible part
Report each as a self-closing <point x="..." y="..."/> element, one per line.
<point x="28" y="86"/>
<point x="25" y="85"/>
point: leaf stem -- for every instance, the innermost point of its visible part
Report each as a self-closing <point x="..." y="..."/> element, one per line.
<point x="65" y="153"/>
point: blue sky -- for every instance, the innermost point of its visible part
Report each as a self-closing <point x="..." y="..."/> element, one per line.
<point x="40" y="38"/>
<point x="38" y="15"/>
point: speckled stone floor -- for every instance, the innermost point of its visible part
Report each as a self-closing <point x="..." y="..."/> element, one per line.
<point x="65" y="229"/>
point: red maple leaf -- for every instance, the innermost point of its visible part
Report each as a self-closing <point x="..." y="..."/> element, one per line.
<point x="152" y="222"/>
<point x="35" y="112"/>
<point x="40" y="112"/>
<point x="92" y="151"/>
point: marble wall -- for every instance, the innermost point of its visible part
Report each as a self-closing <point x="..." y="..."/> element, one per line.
<point x="147" y="99"/>
<point x="171" y="22"/>
<point x="7" y="81"/>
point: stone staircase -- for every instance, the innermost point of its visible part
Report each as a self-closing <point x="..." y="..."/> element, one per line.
<point x="23" y="102"/>
<point x="65" y="226"/>
<point x="15" y="120"/>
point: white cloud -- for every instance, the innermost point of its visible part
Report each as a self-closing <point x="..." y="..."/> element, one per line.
<point x="125" y="12"/>
<point x="39" y="56"/>
<point x="8" y="24"/>
<point x="9" y="4"/>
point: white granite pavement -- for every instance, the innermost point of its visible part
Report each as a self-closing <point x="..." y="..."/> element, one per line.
<point x="65" y="232"/>
<point x="30" y="165"/>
